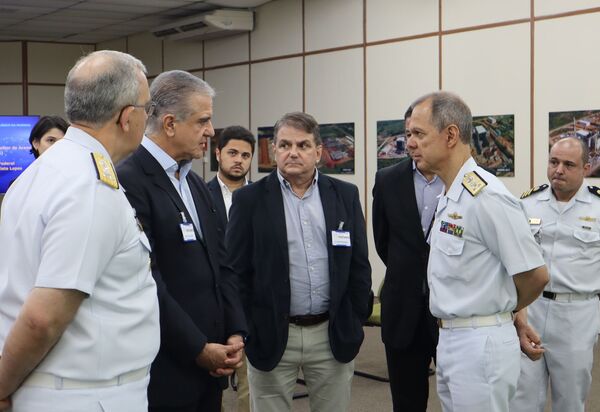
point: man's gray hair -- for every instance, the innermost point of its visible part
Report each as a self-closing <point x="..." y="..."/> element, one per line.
<point x="446" y="109"/>
<point x="112" y="83"/>
<point x="300" y="121"/>
<point x="170" y="92"/>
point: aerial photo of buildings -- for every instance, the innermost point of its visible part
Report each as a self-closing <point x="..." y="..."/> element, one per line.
<point x="391" y="142"/>
<point x="338" y="148"/>
<point x="584" y="125"/>
<point x="493" y="143"/>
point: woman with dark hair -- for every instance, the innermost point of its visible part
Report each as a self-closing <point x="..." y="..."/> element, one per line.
<point x="47" y="131"/>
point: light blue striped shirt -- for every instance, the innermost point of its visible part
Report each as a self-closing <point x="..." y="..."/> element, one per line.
<point x="170" y="167"/>
<point x="307" y="249"/>
<point x="427" y="193"/>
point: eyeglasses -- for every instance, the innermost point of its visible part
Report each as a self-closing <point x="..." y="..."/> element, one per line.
<point x="148" y="108"/>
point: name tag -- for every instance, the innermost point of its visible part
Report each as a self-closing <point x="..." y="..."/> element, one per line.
<point x="535" y="221"/>
<point x="340" y="238"/>
<point x="187" y="230"/>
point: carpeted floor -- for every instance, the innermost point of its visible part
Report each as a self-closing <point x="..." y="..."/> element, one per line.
<point x="372" y="396"/>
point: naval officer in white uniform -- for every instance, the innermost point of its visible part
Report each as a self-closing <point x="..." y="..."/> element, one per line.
<point x="564" y="322"/>
<point x="79" y="314"/>
<point x="483" y="264"/>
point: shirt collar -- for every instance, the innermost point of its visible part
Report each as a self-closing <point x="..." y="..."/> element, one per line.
<point x="168" y="164"/>
<point x="583" y="194"/>
<point x="80" y="137"/>
<point x="286" y="185"/>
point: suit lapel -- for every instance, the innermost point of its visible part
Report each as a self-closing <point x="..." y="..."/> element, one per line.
<point x="405" y="196"/>
<point x="276" y="214"/>
<point x="219" y="203"/>
<point x="204" y="206"/>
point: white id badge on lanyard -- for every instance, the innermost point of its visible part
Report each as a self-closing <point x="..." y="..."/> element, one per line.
<point x="187" y="230"/>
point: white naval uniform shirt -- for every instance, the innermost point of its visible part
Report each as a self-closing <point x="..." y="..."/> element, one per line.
<point x="62" y="228"/>
<point x="570" y="239"/>
<point x="477" y="244"/>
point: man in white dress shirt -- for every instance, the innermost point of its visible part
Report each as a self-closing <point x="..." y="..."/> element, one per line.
<point x="563" y="323"/>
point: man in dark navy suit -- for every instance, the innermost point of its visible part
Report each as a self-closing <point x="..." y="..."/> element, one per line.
<point x="235" y="148"/>
<point x="201" y="317"/>
<point x="404" y="201"/>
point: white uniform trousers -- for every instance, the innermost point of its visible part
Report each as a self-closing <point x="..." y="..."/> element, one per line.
<point x="327" y="380"/>
<point x="129" y="397"/>
<point x="569" y="331"/>
<point x="477" y="368"/>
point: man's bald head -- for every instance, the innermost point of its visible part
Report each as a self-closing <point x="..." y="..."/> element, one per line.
<point x="574" y="143"/>
<point x="100" y="85"/>
<point x="568" y="164"/>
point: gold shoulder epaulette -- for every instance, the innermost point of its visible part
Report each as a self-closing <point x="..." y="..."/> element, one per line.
<point x="473" y="183"/>
<point x="594" y="190"/>
<point x="534" y="190"/>
<point x="105" y="170"/>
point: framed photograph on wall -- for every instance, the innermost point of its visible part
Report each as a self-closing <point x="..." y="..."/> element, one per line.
<point x="583" y="125"/>
<point x="493" y="143"/>
<point x="391" y="142"/>
<point x="266" y="161"/>
<point x="338" y="148"/>
<point x="214" y="165"/>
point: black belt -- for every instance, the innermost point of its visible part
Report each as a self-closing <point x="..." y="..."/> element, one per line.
<point x="309" y="320"/>
<point x="549" y="295"/>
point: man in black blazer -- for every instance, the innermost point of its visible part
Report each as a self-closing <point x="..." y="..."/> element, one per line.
<point x="404" y="201"/>
<point x="234" y="151"/>
<point x="201" y="317"/>
<point x="297" y="240"/>
<point x="235" y="148"/>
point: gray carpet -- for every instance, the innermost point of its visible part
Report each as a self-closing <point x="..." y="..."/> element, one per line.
<point x="372" y="396"/>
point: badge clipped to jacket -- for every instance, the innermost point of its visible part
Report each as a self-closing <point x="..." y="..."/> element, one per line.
<point x="340" y="237"/>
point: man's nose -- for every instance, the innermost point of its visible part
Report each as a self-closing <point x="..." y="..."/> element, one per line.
<point x="210" y="131"/>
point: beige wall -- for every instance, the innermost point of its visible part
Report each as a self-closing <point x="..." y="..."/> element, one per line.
<point x="365" y="60"/>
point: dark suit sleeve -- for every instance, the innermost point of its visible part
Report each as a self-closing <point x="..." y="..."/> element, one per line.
<point x="235" y="319"/>
<point x="381" y="226"/>
<point x="179" y="334"/>
<point x="360" y="269"/>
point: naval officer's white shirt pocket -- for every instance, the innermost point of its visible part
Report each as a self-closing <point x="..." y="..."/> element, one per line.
<point x="587" y="236"/>
<point x="452" y="261"/>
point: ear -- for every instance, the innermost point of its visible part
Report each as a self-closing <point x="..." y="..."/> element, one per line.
<point x="452" y="135"/>
<point x="319" y="152"/>
<point x="36" y="145"/>
<point x="586" y="169"/>
<point x="168" y="124"/>
<point x="218" y="155"/>
<point x="124" y="121"/>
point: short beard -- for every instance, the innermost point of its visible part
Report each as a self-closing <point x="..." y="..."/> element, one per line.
<point x="233" y="178"/>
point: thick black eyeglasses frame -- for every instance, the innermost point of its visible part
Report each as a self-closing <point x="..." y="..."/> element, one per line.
<point x="148" y="108"/>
